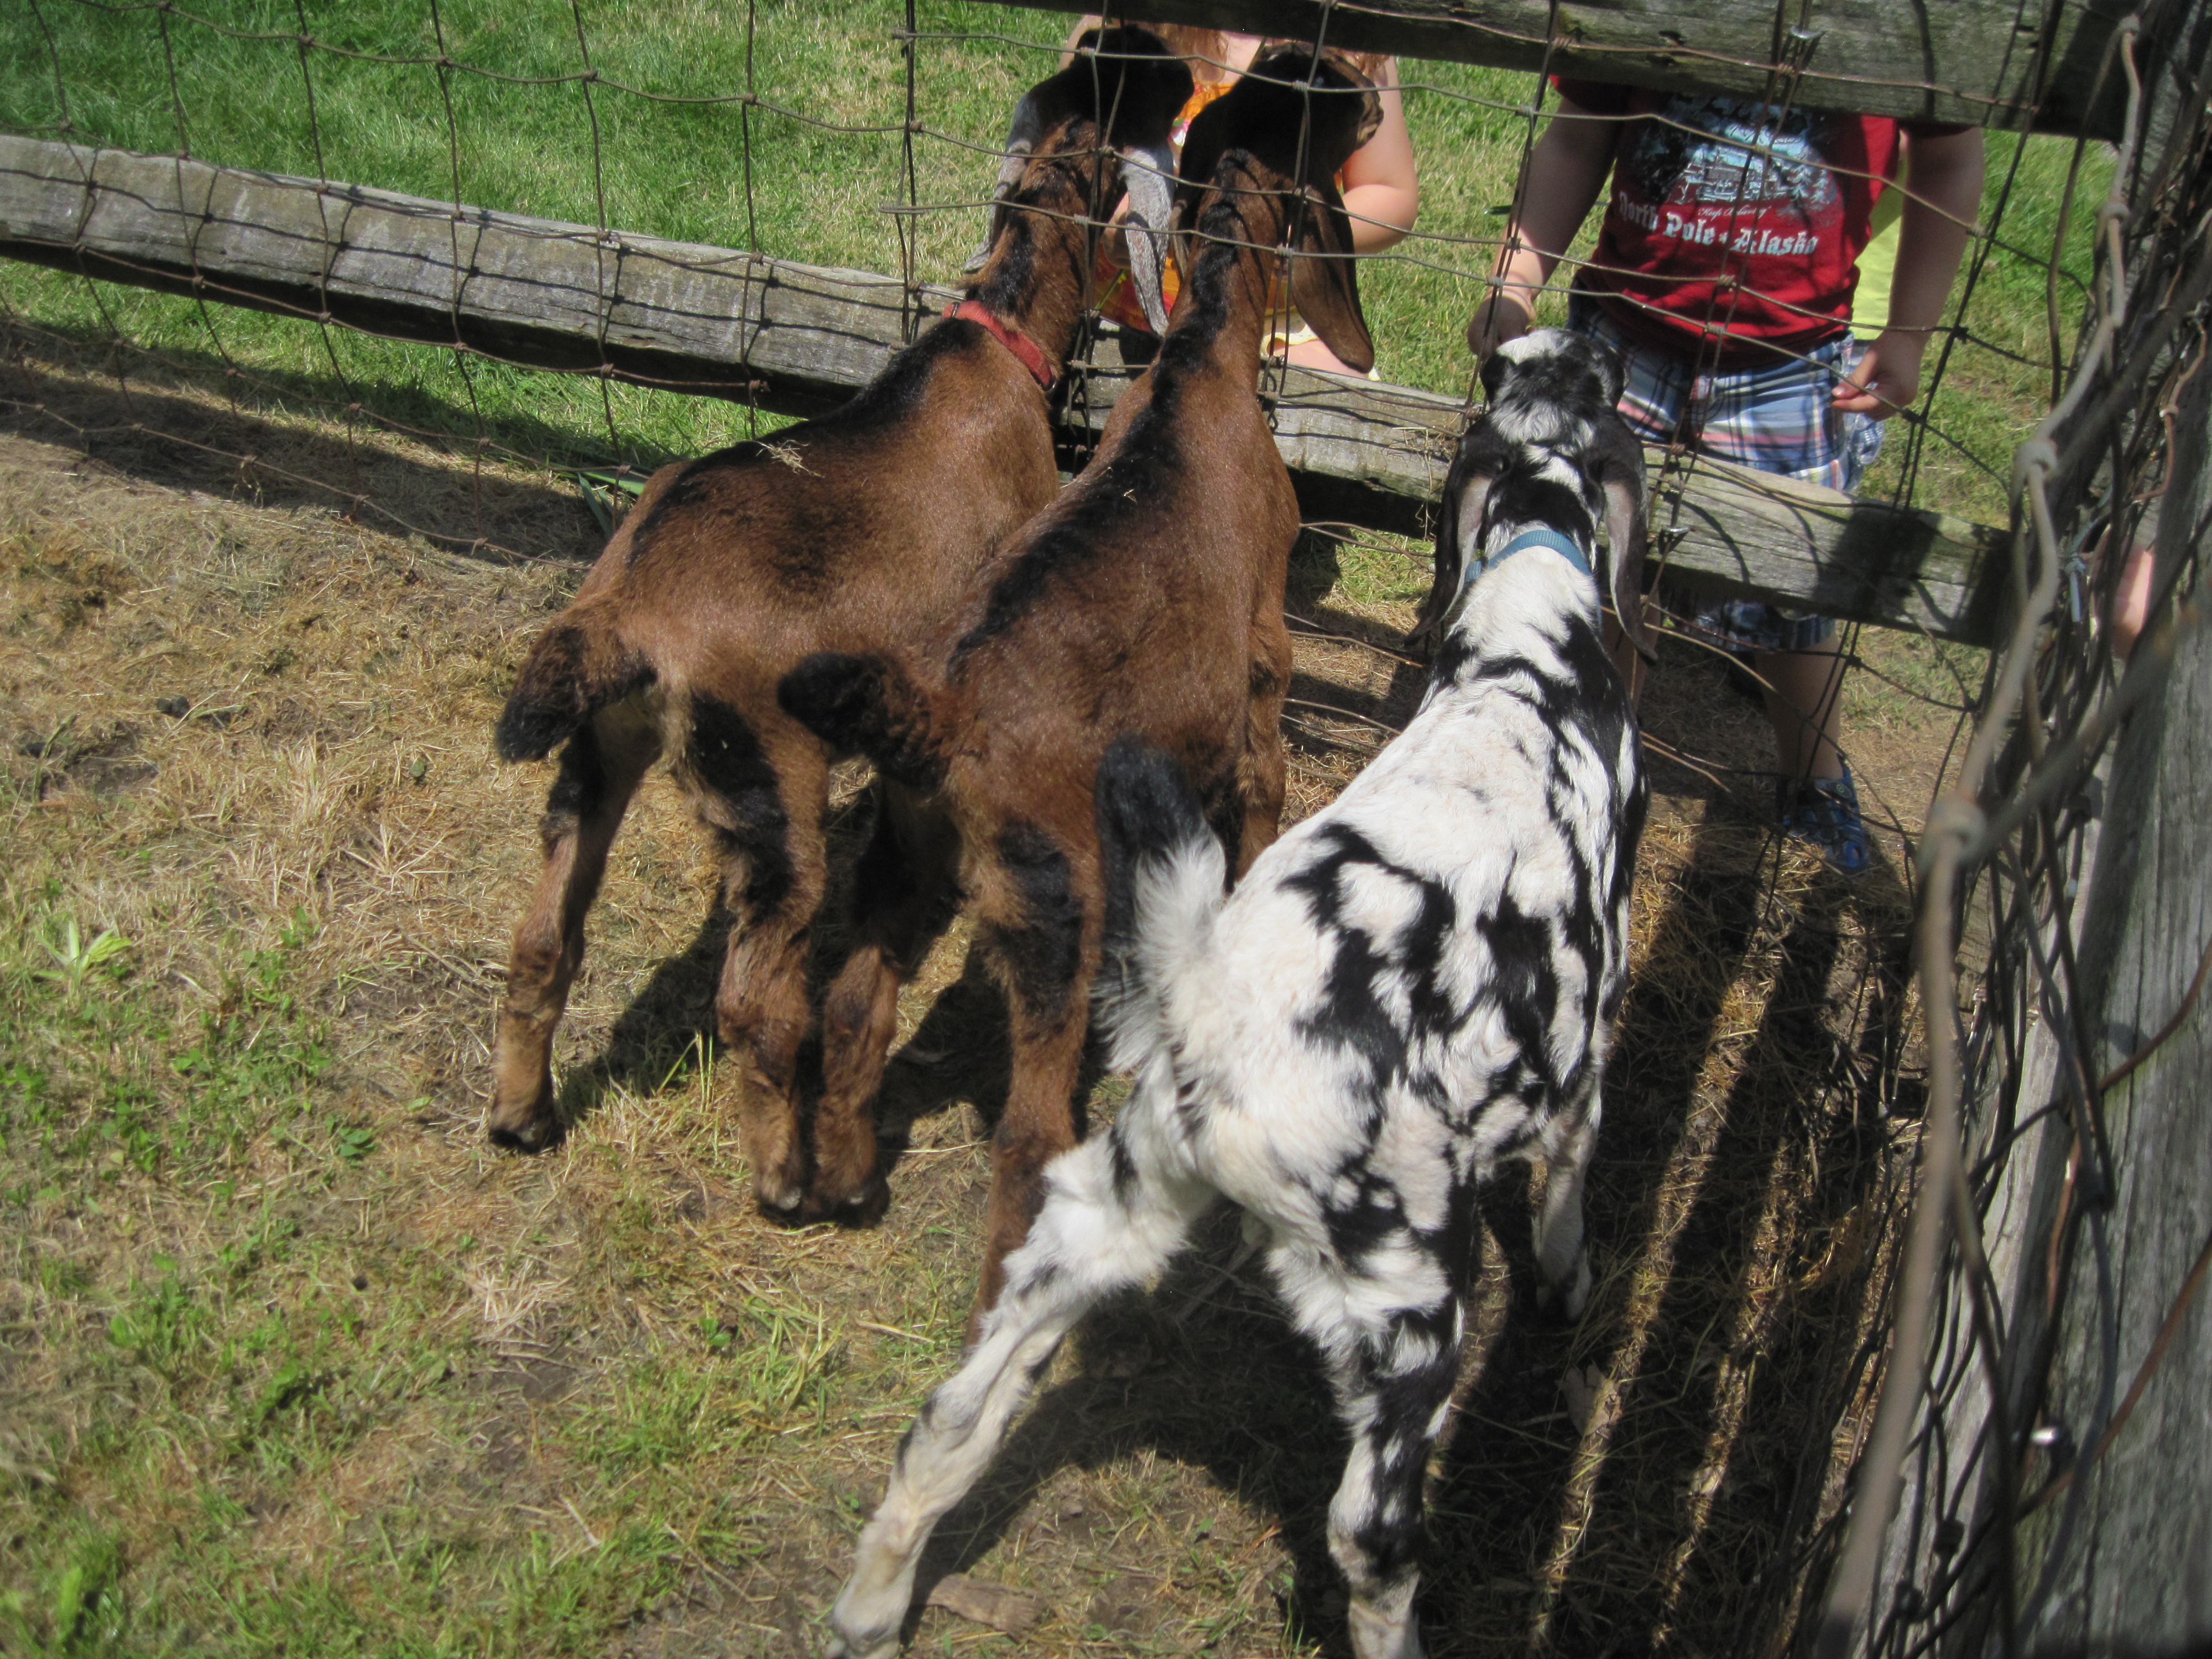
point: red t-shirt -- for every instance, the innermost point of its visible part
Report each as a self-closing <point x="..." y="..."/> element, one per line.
<point x="1732" y="222"/>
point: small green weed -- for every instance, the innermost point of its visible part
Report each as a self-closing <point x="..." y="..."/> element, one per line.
<point x="77" y="959"/>
<point x="161" y="1324"/>
<point x="258" y="1055"/>
<point x="83" y="1602"/>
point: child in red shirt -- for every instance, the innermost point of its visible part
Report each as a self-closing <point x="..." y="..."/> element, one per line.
<point x="1724" y="273"/>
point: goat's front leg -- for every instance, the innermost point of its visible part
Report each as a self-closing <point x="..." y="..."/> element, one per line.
<point x="904" y="892"/>
<point x="1094" y="1235"/>
<point x="767" y="819"/>
<point x="600" y="770"/>
<point x="1264" y="772"/>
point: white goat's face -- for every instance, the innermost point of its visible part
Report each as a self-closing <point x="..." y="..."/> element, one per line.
<point x="1555" y="369"/>
<point x="1552" y="440"/>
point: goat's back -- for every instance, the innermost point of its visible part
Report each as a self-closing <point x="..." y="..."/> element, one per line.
<point x="1129" y="604"/>
<point x="865" y="522"/>
<point x="1404" y="982"/>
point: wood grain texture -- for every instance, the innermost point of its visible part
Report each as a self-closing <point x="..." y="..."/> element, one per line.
<point x="802" y="339"/>
<point x="1976" y="61"/>
<point x="2138" y="1575"/>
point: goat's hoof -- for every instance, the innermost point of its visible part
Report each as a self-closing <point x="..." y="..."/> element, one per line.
<point x="842" y="1646"/>
<point x="1564" y="1304"/>
<point x="530" y="1129"/>
<point x="863" y="1208"/>
<point x="781" y="1196"/>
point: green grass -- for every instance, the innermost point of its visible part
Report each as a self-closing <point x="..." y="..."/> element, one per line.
<point x="156" y="81"/>
<point x="217" y="1388"/>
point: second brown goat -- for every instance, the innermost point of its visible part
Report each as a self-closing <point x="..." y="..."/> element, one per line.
<point x="1146" y="599"/>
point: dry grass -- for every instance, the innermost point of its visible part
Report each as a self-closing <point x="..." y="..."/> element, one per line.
<point x="294" y="1359"/>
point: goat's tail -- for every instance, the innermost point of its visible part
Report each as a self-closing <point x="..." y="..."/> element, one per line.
<point x="1163" y="872"/>
<point x="868" y="705"/>
<point x="579" y="666"/>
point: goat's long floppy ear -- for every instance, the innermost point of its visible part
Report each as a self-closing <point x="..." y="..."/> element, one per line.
<point x="1148" y="176"/>
<point x="1022" y="136"/>
<point x="1466" y="492"/>
<point x="1620" y="470"/>
<point x="1326" y="290"/>
<point x="1368" y="120"/>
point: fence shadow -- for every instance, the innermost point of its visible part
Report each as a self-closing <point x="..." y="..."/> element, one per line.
<point x="257" y="448"/>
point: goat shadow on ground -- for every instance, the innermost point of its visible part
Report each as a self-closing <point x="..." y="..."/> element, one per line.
<point x="1677" y="1534"/>
<point x="960" y="1052"/>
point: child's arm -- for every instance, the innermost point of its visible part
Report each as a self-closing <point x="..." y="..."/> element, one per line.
<point x="1566" y="169"/>
<point x="1381" y="191"/>
<point x="1943" y="191"/>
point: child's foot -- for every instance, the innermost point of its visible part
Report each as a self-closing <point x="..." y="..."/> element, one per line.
<point x="1824" y="811"/>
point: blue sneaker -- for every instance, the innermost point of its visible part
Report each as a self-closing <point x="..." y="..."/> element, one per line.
<point x="1824" y="811"/>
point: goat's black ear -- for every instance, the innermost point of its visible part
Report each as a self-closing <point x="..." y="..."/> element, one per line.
<point x="1620" y="470"/>
<point x="1495" y="369"/>
<point x="1466" y="490"/>
<point x="1325" y="278"/>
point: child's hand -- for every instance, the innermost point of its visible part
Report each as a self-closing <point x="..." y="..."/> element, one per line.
<point x="1501" y="318"/>
<point x="1886" y="380"/>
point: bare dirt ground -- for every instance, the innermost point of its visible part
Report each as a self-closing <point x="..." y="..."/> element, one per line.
<point x="292" y="1358"/>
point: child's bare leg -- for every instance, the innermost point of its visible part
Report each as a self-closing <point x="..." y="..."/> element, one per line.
<point x="1804" y="701"/>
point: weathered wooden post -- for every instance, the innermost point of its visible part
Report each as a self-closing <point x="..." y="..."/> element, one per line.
<point x="2063" y="1504"/>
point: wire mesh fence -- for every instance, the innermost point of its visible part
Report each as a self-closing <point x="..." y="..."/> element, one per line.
<point x="783" y="156"/>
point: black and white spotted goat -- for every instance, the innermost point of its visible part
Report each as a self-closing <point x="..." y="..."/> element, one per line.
<point x="1405" y="989"/>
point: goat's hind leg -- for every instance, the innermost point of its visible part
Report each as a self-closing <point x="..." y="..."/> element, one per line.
<point x="601" y="769"/>
<point x="1562" y="1256"/>
<point x="1108" y="1222"/>
<point x="1264" y="772"/>
<point x="1039" y="918"/>
<point x="1392" y="1377"/>
<point x="905" y="890"/>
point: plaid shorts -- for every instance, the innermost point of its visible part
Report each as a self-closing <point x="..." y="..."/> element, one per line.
<point x="1775" y="419"/>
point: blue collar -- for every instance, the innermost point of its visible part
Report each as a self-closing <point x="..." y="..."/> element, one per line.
<point x="1527" y="539"/>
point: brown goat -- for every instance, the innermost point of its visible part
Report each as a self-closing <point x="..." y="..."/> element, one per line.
<point x="866" y="527"/>
<point x="1146" y="599"/>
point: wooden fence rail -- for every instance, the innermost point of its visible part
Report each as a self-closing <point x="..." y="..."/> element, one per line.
<point x="1988" y="63"/>
<point x="800" y="338"/>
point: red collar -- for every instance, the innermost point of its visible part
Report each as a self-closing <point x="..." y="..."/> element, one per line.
<point x="1025" y="349"/>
